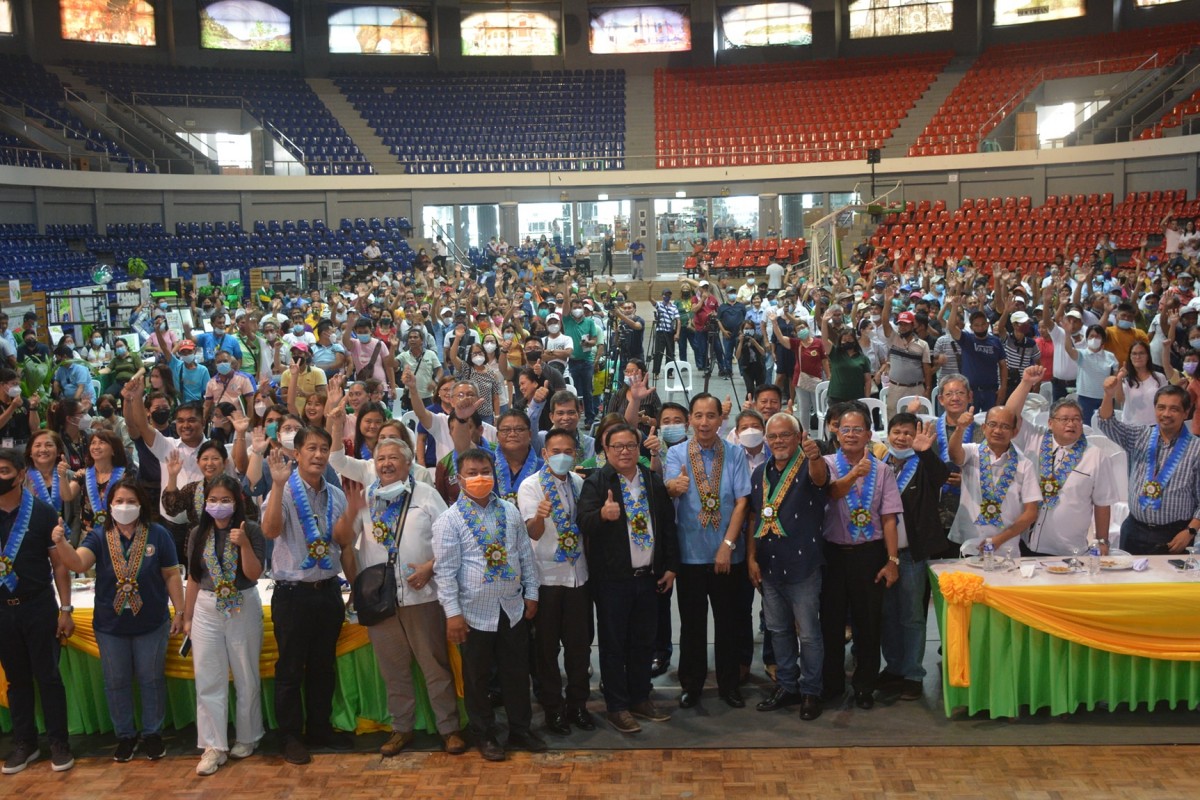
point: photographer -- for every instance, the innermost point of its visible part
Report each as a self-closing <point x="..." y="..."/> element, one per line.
<point x="667" y="324"/>
<point x="630" y="329"/>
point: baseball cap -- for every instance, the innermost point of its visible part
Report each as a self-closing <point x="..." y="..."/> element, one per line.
<point x="666" y="292"/>
<point x="906" y="316"/>
<point x="1074" y="312"/>
<point x="553" y="316"/>
<point x="1019" y="318"/>
<point x="187" y="346"/>
<point x="703" y="283"/>
<point x="301" y="346"/>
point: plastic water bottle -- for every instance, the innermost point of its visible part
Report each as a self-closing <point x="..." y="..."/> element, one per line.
<point x="1093" y="557"/>
<point x="989" y="555"/>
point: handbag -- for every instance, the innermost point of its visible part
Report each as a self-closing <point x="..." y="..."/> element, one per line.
<point x="368" y="372"/>
<point x="374" y="591"/>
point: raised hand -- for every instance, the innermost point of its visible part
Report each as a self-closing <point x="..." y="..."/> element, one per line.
<point x="1112" y="382"/>
<point x="543" y="509"/>
<point x="652" y="443"/>
<point x="967" y="417"/>
<point x="238" y="537"/>
<point x="281" y="468"/>
<point x="680" y="483"/>
<point x="356" y="497"/>
<point x="812" y="450"/>
<point x="258" y="441"/>
<point x="63" y="470"/>
<point x="542" y="392"/>
<point x="726" y="406"/>
<point x="640" y="389"/>
<point x="1033" y="375"/>
<point x="174" y="464"/>
<point x="241" y="423"/>
<point x="925" y="437"/>
<point x="611" y="510"/>
<point x="862" y="468"/>
<point x="59" y="534"/>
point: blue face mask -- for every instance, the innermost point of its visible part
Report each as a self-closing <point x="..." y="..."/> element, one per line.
<point x="297" y="329"/>
<point x="363" y="337"/>
<point x="190" y="358"/>
<point x="561" y="463"/>
<point x="272" y="430"/>
<point x="224" y="368"/>
<point x="121" y="351"/>
<point x="906" y="453"/>
<point x="163" y="306"/>
<point x="528" y="296"/>
<point x="1124" y="324"/>
<point x="673" y="434"/>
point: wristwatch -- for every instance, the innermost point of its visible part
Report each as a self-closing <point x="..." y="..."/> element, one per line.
<point x="731" y="545"/>
<point x="895" y="560"/>
<point x="66" y="610"/>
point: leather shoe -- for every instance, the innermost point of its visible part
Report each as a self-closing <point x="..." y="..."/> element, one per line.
<point x="888" y="680"/>
<point x="556" y="723"/>
<point x="689" y="699"/>
<point x="780" y="698"/>
<point x="864" y="699"/>
<point x="491" y="750"/>
<point x="659" y="666"/>
<point x="294" y="751"/>
<point x="911" y="690"/>
<point x="454" y="744"/>
<point x="527" y="740"/>
<point x="810" y="707"/>
<point x="733" y="698"/>
<point x="581" y="718"/>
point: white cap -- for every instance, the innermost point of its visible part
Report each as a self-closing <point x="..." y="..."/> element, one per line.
<point x="703" y="283"/>
<point x="1019" y="318"/>
<point x="1074" y="312"/>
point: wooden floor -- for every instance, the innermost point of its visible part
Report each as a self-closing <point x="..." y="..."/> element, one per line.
<point x="1126" y="772"/>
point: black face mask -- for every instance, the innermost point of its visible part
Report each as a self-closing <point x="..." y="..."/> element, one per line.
<point x="533" y="355"/>
<point x="106" y="411"/>
<point x="7" y="484"/>
<point x="160" y="416"/>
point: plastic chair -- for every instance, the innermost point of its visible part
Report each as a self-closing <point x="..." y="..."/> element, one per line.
<point x="878" y="417"/>
<point x="677" y="376"/>
<point x="409" y="420"/>
<point x="926" y="404"/>
<point x="821" y="406"/>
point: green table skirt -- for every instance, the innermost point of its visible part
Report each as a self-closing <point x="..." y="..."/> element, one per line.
<point x="359" y="700"/>
<point x="1014" y="666"/>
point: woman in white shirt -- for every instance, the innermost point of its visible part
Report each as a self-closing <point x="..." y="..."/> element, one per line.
<point x="1095" y="364"/>
<point x="1136" y="392"/>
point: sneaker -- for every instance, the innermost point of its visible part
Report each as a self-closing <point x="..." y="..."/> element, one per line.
<point x="61" y="759"/>
<point x="623" y="721"/>
<point x="211" y="761"/>
<point x="243" y="750"/>
<point x="648" y="711"/>
<point x="153" y="747"/>
<point x="398" y="741"/>
<point x="125" y="750"/>
<point x="21" y="757"/>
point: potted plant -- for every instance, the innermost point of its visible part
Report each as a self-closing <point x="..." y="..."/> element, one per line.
<point x="136" y="268"/>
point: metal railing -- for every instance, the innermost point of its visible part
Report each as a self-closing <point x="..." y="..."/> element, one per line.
<point x="824" y="254"/>
<point x="115" y="130"/>
<point x="456" y="252"/>
<point x="172" y="134"/>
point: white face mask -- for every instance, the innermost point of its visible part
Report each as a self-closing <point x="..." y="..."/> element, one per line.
<point x="1094" y="345"/>
<point x="489" y="347"/>
<point x="287" y="439"/>
<point x="260" y="409"/>
<point x="391" y="491"/>
<point x="478" y="360"/>
<point x="126" y="514"/>
<point x="751" y="437"/>
<point x="577" y="313"/>
<point x="554" y="329"/>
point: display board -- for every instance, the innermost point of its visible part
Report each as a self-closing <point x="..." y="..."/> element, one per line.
<point x="510" y="33"/>
<point x="129" y="22"/>
<point x="765" y="24"/>
<point x="640" y="29"/>
<point x="245" y="25"/>
<point x="379" y="31"/>
<point x="1020" y="12"/>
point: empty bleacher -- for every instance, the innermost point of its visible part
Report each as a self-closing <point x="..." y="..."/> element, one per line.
<point x="1175" y="117"/>
<point x="46" y="261"/>
<point x="561" y="120"/>
<point x="280" y="100"/>
<point x="16" y="152"/>
<point x="1004" y="75"/>
<point x="795" y="112"/>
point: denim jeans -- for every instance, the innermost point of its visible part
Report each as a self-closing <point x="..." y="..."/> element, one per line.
<point x="700" y="348"/>
<point x="123" y="658"/>
<point x="792" y="609"/>
<point x="1089" y="405"/>
<point x="582" y="373"/>
<point x="904" y="610"/>
<point x="727" y="343"/>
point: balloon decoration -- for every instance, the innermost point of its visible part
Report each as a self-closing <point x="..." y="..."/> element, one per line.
<point x="102" y="275"/>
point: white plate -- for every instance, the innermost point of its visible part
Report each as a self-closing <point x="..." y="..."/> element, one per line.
<point x="1115" y="563"/>
<point x="977" y="562"/>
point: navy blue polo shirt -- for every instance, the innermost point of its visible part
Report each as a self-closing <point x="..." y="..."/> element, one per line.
<point x="980" y="359"/>
<point x="791" y="558"/>
<point x="160" y="555"/>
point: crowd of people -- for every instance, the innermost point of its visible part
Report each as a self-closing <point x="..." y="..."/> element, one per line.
<point x="543" y="496"/>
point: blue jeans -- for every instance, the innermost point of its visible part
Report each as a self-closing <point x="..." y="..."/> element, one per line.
<point x="123" y="658"/>
<point x="791" y="609"/>
<point x="700" y="348"/>
<point x="727" y="344"/>
<point x="903" y="636"/>
<point x="1090" y="406"/>
<point x="582" y="374"/>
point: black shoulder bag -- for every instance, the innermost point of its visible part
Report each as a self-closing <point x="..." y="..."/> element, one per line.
<point x="374" y="590"/>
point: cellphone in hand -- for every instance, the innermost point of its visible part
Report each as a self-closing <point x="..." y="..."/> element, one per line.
<point x="185" y="647"/>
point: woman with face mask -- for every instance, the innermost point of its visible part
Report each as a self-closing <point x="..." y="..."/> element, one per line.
<point x="189" y="498"/>
<point x="475" y="369"/>
<point x="751" y="354"/>
<point x="97" y="353"/>
<point x="1095" y="364"/>
<point x="497" y="364"/>
<point x="223" y="616"/>
<point x="125" y="365"/>
<point x="67" y="419"/>
<point x="136" y="572"/>
<point x="849" y="370"/>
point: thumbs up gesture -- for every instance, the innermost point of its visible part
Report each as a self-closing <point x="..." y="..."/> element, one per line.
<point x="59" y="534"/>
<point x="610" y="511"/>
<point x="679" y="484"/>
<point x="862" y="468"/>
<point x="237" y="537"/>
<point x="542" y="392"/>
<point x="543" y="509"/>
<point x="652" y="443"/>
<point x="812" y="450"/>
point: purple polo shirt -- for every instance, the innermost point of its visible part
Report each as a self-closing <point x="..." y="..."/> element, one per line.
<point x="885" y="501"/>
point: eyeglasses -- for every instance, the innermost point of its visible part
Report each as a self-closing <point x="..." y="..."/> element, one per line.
<point x="857" y="430"/>
<point x="780" y="437"/>
<point x="1069" y="420"/>
<point x="622" y="447"/>
<point x="511" y="431"/>
<point x="955" y="393"/>
<point x="998" y="426"/>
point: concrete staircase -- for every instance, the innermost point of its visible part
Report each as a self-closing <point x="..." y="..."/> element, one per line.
<point x="363" y="135"/>
<point x="639" y="122"/>
<point x="924" y="109"/>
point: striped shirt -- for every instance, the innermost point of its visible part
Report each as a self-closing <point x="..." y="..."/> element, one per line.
<point x="460" y="566"/>
<point x="665" y="316"/>
<point x="946" y="346"/>
<point x="1181" y="494"/>
<point x="1020" y="355"/>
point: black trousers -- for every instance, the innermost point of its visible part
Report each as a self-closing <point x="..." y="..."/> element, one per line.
<point x="505" y="651"/>
<point x="626" y="620"/>
<point x="664" y="648"/>
<point x="1140" y="539"/>
<point x="849" y="584"/>
<point x="307" y="624"/>
<point x="663" y="349"/>
<point x="563" y="618"/>
<point x="697" y="585"/>
<point x="744" y="624"/>
<point x="29" y="652"/>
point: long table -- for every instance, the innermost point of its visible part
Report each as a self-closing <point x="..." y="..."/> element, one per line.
<point x="1066" y="642"/>
<point x="359" y="702"/>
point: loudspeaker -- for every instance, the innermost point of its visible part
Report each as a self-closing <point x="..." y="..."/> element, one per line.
<point x="873" y="155"/>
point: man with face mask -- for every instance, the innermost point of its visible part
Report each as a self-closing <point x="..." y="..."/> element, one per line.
<point x="1020" y="347"/>
<point x="548" y="501"/>
<point x="31" y="626"/>
<point x="18" y="416"/>
<point x="982" y="358"/>
<point x="212" y="343"/>
<point x="392" y="515"/>
<point x="487" y="583"/>
<point x="72" y="380"/>
<point x="228" y="385"/>
<point x="911" y="371"/>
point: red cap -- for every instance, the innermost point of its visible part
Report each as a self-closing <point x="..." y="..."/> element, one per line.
<point x="906" y="316"/>
<point x="301" y="346"/>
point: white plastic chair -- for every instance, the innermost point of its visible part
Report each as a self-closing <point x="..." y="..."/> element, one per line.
<point x="677" y="376"/>
<point x="1035" y="402"/>
<point x="926" y="404"/>
<point x="883" y="396"/>
<point x="879" y="429"/>
<point x="821" y="406"/>
<point x="1046" y="391"/>
<point x="567" y="379"/>
<point x="409" y="420"/>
